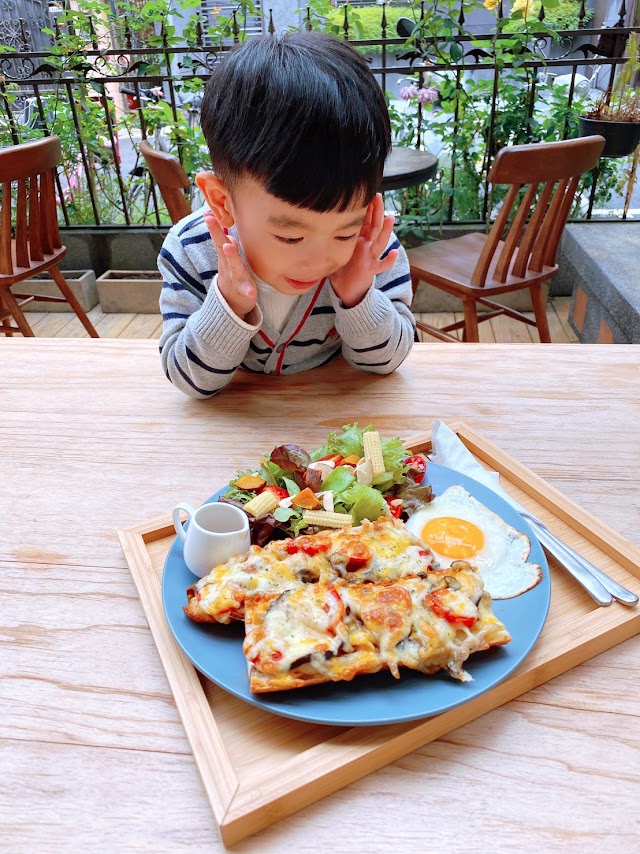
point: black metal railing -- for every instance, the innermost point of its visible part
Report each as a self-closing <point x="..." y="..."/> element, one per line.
<point x="464" y="93"/>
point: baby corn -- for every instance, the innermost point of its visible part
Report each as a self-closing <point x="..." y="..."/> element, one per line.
<point x="261" y="504"/>
<point x="324" y="519"/>
<point x="373" y="451"/>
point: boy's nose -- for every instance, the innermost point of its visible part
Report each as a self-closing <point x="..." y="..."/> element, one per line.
<point x="317" y="267"/>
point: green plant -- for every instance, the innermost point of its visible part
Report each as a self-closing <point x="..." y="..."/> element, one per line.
<point x="469" y="118"/>
<point x="365" y="23"/>
<point x="472" y="121"/>
<point x="78" y="105"/>
<point x="460" y="192"/>
<point x="623" y="105"/>
<point x="558" y="15"/>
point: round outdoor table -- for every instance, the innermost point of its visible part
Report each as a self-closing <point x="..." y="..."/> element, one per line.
<point x="406" y="167"/>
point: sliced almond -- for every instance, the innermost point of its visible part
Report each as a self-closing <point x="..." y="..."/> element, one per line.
<point x="364" y="472"/>
<point x="325" y="467"/>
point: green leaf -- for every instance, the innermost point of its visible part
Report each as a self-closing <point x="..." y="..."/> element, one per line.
<point x="338" y="480"/>
<point x="365" y="502"/>
<point x="346" y="443"/>
<point x="291" y="486"/>
<point x="283" y="514"/>
<point x="272" y="473"/>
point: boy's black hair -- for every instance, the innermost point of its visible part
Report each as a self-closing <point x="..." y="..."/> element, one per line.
<point x="301" y="113"/>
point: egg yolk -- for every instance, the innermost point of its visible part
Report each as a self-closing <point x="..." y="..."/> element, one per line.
<point x="454" y="538"/>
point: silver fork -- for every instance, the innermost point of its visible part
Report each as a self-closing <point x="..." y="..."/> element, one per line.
<point x="597" y="583"/>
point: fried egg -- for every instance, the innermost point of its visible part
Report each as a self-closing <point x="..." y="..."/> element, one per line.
<point x="456" y="526"/>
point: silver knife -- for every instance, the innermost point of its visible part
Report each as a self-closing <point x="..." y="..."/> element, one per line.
<point x="598" y="584"/>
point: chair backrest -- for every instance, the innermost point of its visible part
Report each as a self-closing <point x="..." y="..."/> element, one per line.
<point x="171" y="179"/>
<point x="32" y="166"/>
<point x="546" y="176"/>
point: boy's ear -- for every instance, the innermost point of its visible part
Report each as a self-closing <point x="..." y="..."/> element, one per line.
<point x="217" y="196"/>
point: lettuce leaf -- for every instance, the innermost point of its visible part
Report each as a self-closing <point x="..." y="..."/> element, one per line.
<point x="349" y="441"/>
<point x="362" y="502"/>
<point x="337" y="480"/>
<point x="394" y="454"/>
<point x="272" y="472"/>
<point x="414" y="497"/>
<point x="291" y="487"/>
<point x="290" y="458"/>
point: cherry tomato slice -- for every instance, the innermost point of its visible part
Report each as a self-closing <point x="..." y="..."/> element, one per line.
<point x="417" y="467"/>
<point x="278" y="491"/>
<point x="312" y="545"/>
<point x="336" y="459"/>
<point x="358" y="557"/>
<point x="309" y="545"/>
<point x="394" y="509"/>
<point x="434" y="602"/>
<point x="334" y="607"/>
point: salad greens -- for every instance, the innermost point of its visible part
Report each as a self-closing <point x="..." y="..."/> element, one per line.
<point x="289" y="469"/>
<point x="363" y="502"/>
<point x="349" y="442"/>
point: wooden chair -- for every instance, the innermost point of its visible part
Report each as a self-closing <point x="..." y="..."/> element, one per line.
<point x="171" y="179"/>
<point x="520" y="250"/>
<point x="36" y="247"/>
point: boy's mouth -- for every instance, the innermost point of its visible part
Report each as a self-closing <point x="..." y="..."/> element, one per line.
<point x="296" y="283"/>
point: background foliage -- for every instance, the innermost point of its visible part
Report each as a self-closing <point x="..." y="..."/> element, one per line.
<point x="462" y="116"/>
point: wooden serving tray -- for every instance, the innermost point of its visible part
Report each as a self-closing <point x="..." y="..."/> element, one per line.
<point x="258" y="768"/>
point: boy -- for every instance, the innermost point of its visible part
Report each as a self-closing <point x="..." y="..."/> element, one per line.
<point x="294" y="261"/>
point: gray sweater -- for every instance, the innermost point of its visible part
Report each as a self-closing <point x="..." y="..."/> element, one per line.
<point x="203" y="343"/>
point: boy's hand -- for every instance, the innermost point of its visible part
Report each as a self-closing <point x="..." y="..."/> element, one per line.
<point x="352" y="281"/>
<point x="234" y="280"/>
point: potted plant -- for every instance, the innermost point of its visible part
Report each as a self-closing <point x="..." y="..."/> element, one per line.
<point x="618" y="121"/>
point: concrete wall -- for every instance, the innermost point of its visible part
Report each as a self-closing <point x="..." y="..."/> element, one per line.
<point x="106" y="249"/>
<point x="138" y="249"/>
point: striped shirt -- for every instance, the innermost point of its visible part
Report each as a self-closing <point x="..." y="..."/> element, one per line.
<point x="203" y="343"/>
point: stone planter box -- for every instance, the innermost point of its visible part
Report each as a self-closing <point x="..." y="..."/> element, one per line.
<point x="605" y="308"/>
<point x="428" y="299"/>
<point x="82" y="282"/>
<point x="130" y="291"/>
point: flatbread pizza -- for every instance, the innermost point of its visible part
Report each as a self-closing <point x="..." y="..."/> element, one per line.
<point x="379" y="551"/>
<point x="328" y="632"/>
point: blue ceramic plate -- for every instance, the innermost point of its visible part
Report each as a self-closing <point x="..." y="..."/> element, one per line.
<point x="216" y="650"/>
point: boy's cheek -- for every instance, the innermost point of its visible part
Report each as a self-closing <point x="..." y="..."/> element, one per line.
<point x="346" y="257"/>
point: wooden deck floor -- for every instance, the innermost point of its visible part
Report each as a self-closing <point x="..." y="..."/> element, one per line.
<point x="502" y="329"/>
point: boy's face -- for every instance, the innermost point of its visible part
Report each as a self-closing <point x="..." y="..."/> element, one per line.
<point x="289" y="248"/>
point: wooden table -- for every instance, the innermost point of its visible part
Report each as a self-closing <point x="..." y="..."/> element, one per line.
<point x="94" y="754"/>
<point x="408" y="167"/>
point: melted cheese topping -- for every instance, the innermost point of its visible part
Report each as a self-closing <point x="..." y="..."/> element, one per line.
<point x="299" y="624"/>
<point x="332" y="632"/>
<point x="372" y="552"/>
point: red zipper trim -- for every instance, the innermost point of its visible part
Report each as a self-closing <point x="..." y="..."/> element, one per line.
<point x="265" y="339"/>
<point x="300" y="325"/>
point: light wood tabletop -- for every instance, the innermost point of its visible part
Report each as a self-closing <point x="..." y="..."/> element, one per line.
<point x="94" y="754"/>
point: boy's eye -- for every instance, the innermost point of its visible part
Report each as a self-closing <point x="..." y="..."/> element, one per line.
<point x="350" y="237"/>
<point x="288" y="240"/>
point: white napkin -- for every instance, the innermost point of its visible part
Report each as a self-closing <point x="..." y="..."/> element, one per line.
<point x="448" y="450"/>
